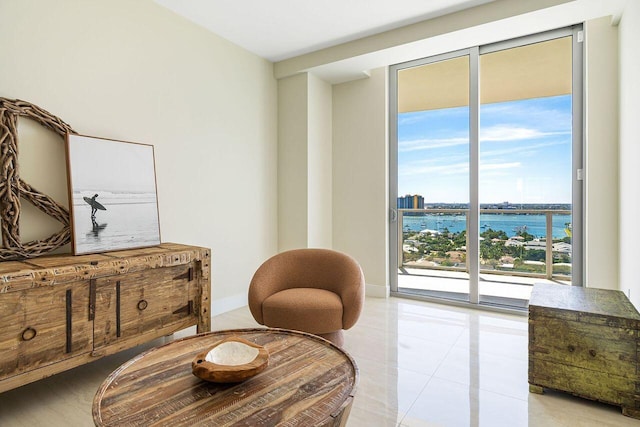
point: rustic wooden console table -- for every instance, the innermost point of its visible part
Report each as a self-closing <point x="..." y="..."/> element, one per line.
<point x="308" y="382"/>
<point x="58" y="312"/>
<point x="585" y="341"/>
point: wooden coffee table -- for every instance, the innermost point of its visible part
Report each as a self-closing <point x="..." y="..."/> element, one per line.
<point x="309" y="382"/>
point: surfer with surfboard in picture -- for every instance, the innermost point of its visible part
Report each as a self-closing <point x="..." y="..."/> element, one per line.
<point x="95" y="205"/>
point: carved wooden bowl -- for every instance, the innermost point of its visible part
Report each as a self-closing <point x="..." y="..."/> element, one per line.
<point x="230" y="360"/>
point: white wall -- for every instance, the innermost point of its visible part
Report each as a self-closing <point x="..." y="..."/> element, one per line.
<point x="601" y="154"/>
<point x="360" y="176"/>
<point x="629" y="35"/>
<point x="293" y="156"/>
<point x="304" y="162"/>
<point x="132" y="70"/>
<point x="319" y="164"/>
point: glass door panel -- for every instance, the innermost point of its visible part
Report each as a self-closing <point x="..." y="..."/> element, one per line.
<point x="433" y="178"/>
<point x="525" y="180"/>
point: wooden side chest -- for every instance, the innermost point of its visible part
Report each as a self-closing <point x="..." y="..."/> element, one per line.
<point x="585" y="341"/>
<point x="58" y="312"/>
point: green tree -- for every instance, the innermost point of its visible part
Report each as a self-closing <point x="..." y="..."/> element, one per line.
<point x="534" y="255"/>
<point x="489" y="250"/>
<point x="494" y="234"/>
<point x="460" y="239"/>
<point x="525" y="235"/>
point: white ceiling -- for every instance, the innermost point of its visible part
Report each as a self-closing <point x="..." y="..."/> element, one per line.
<point x="281" y="29"/>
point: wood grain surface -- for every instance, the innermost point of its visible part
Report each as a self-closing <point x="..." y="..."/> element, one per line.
<point x="585" y="342"/>
<point x="62" y="311"/>
<point x="308" y="382"/>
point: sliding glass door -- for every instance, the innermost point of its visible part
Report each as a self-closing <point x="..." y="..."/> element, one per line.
<point x="486" y="148"/>
<point x="433" y="149"/>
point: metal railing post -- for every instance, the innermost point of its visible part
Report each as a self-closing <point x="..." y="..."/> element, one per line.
<point x="549" y="245"/>
<point x="401" y="238"/>
<point x="466" y="243"/>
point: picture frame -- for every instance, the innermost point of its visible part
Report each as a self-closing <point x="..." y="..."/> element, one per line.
<point x="113" y="198"/>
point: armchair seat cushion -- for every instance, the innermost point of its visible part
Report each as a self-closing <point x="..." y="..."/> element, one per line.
<point x="317" y="311"/>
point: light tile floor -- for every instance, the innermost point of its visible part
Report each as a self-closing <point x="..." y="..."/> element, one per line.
<point x="421" y="364"/>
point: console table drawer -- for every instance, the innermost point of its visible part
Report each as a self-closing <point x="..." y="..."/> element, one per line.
<point x="132" y="304"/>
<point x="42" y="326"/>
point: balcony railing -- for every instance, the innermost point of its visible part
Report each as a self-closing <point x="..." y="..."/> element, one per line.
<point x="517" y="242"/>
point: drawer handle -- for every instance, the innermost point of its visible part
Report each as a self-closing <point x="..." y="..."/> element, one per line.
<point x="28" y="334"/>
<point x="592" y="353"/>
<point x="571" y="348"/>
<point x="142" y="304"/>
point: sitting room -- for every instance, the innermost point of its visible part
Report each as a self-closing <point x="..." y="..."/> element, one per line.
<point x="164" y="159"/>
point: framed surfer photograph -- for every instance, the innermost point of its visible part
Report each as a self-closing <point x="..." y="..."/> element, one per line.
<point x="112" y="194"/>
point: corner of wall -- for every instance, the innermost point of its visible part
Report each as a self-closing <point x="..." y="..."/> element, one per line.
<point x="601" y="154"/>
<point x="360" y="176"/>
<point x="319" y="163"/>
<point x="377" y="291"/>
<point x="223" y="305"/>
<point x="629" y="151"/>
<point x="292" y="162"/>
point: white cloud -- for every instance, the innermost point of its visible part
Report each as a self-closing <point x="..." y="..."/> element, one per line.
<point x="461" y="168"/>
<point x="513" y="133"/>
<point x="490" y="134"/>
<point x="495" y="166"/>
<point x="520" y="150"/>
<point x="429" y="144"/>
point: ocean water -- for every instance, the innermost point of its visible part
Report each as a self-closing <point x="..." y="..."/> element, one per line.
<point x="126" y="223"/>
<point x="534" y="224"/>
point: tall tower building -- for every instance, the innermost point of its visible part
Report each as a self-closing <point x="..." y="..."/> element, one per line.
<point x="409" y="201"/>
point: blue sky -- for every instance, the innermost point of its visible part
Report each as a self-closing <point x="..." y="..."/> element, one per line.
<point x="525" y="152"/>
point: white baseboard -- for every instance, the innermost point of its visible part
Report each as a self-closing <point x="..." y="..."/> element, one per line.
<point x="222" y="305"/>
<point x="377" y="291"/>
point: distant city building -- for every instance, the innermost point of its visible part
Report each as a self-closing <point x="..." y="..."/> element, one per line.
<point x="503" y="205"/>
<point x="411" y="202"/>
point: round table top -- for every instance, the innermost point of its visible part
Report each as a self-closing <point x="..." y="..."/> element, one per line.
<point x="308" y="381"/>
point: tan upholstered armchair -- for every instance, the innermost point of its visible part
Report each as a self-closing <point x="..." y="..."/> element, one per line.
<point x="319" y="291"/>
